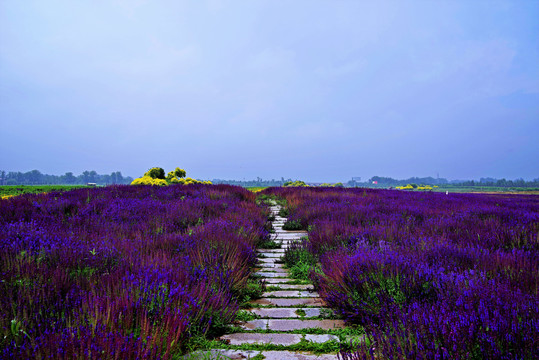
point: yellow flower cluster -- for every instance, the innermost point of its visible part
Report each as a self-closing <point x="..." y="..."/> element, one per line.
<point x="410" y="187"/>
<point x="146" y="180"/>
<point x="188" y="181"/>
<point x="7" y="196"/>
<point x="407" y="187"/>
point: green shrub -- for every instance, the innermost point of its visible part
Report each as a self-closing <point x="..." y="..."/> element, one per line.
<point x="293" y="225"/>
<point x="155" y="173"/>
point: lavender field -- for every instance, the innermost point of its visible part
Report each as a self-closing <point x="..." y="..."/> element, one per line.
<point x="123" y="272"/>
<point x="428" y="275"/>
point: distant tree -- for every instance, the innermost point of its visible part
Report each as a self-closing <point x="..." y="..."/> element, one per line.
<point x="69" y="178"/>
<point x="85" y="177"/>
<point x="35" y="177"/>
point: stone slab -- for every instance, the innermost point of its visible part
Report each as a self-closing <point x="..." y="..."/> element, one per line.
<point x="321" y="338"/>
<point x="290" y="355"/>
<point x="299" y="232"/>
<point x="296" y="287"/>
<point x="270" y="274"/>
<point x="273" y="256"/>
<point x="278" y="280"/>
<point x="283" y="235"/>
<point x="269" y="251"/>
<point x="275" y="312"/>
<point x="290" y="293"/>
<point x="280" y="312"/>
<point x="289" y="301"/>
<point x="312" y="312"/>
<point x="258" y="324"/>
<point x="221" y="354"/>
<point x="267" y="265"/>
<point x="290" y="324"/>
<point x="256" y="338"/>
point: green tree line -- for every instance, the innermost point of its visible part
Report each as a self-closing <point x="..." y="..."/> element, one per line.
<point x="35" y="177"/>
<point x="387" y="181"/>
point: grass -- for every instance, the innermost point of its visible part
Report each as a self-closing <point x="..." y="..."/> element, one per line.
<point x="14" y="190"/>
<point x="269" y="244"/>
<point x="256" y="189"/>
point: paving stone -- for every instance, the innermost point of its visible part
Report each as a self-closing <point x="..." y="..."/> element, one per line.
<point x="221" y="354"/>
<point x="321" y="338"/>
<point x="270" y="274"/>
<point x="258" y="324"/>
<point x="290" y="355"/>
<point x="294" y="232"/>
<point x="267" y="265"/>
<point x="275" y="312"/>
<point x="278" y="280"/>
<point x="270" y="251"/>
<point x="289" y="301"/>
<point x="290" y="293"/>
<point x="312" y="312"/>
<point x="285" y="235"/>
<point x="275" y="270"/>
<point x="287" y="325"/>
<point x="296" y="287"/>
<point x="274" y="256"/>
<point x="256" y="338"/>
<point x="267" y="260"/>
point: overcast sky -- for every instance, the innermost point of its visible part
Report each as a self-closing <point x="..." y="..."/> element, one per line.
<point x="311" y="90"/>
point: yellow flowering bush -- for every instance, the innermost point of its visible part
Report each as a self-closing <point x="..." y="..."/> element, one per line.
<point x="407" y="187"/>
<point x="156" y="176"/>
<point x="146" y="180"/>
<point x="296" y="183"/>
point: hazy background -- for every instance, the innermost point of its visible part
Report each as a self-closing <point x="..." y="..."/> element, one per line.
<point x="314" y="90"/>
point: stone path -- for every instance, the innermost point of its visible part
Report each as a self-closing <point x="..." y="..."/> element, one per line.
<point x="289" y="308"/>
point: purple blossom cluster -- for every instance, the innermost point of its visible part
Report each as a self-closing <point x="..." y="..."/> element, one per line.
<point x="428" y="275"/>
<point x="123" y="272"/>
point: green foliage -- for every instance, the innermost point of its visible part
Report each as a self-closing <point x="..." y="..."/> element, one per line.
<point x="339" y="184"/>
<point x="253" y="290"/>
<point x="155" y="173"/>
<point x="295" y="183"/>
<point x="244" y="316"/>
<point x="269" y="244"/>
<point x="292" y="225"/>
<point x="283" y="212"/>
<point x="14" y="190"/>
<point x="180" y="173"/>
<point x="300" y="263"/>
